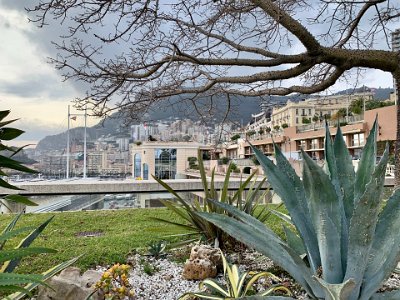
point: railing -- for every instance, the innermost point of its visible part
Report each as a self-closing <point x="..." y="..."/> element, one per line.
<point x="321" y="125"/>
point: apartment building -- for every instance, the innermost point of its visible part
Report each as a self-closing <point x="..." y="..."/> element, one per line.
<point x="311" y="138"/>
<point x="295" y="113"/>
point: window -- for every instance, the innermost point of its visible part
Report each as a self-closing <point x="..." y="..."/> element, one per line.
<point x="297" y="111"/>
<point x="165" y="163"/>
<point x="145" y="171"/>
<point x="303" y="112"/>
<point x="137" y="165"/>
<point x="309" y="111"/>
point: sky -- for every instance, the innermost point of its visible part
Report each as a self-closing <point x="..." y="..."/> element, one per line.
<point x="34" y="91"/>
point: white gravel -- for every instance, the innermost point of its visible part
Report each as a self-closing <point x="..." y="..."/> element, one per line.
<point x="167" y="283"/>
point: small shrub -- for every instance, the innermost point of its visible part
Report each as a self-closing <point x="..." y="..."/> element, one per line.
<point x="148" y="268"/>
<point x="224" y="160"/>
<point x="188" y="210"/>
<point x="114" y="283"/>
<point x="138" y="143"/>
<point x="277" y="127"/>
<point x="157" y="249"/>
<point x="235" y="137"/>
<point x="285" y="125"/>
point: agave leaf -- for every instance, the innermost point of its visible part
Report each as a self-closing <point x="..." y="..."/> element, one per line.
<point x="9" y="163"/>
<point x="187" y="227"/>
<point x="14" y="278"/>
<point x="203" y="176"/>
<point x="344" y="184"/>
<point x="265" y="242"/>
<point x="10" y="227"/>
<point x="8" y="133"/>
<point x="12" y="233"/>
<point x="289" y="187"/>
<point x="385" y="249"/>
<point x="337" y="291"/>
<point x="326" y="216"/>
<point x="6" y="185"/>
<point x="9" y="266"/>
<point x="392" y="295"/>
<point x="20" y="199"/>
<point x="46" y="275"/>
<point x="363" y="224"/>
<point x="282" y="216"/>
<point x="176" y="209"/>
<point x="294" y="241"/>
<point x="171" y="191"/>
<point x="14" y="288"/>
<point x="366" y="165"/>
<point x="346" y="174"/>
<point x="257" y="276"/>
<point x="4" y="113"/>
<point x="13" y="254"/>
<point x="257" y="297"/>
<point x="215" y="286"/>
<point x="224" y="190"/>
<point x="200" y="296"/>
<point x="7" y="122"/>
<point x="281" y="289"/>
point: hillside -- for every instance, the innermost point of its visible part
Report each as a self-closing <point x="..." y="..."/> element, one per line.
<point x="212" y="111"/>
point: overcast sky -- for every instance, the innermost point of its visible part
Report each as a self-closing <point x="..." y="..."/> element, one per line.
<point x="34" y="90"/>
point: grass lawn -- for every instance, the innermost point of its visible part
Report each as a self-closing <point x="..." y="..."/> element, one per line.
<point x="121" y="232"/>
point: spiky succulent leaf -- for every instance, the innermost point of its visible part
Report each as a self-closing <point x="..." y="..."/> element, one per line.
<point x="10" y="265"/>
<point x="265" y="242"/>
<point x="20" y="199"/>
<point x="46" y="275"/>
<point x="367" y="163"/>
<point x="289" y="187"/>
<point x="345" y="171"/>
<point x="385" y="250"/>
<point x="326" y="216"/>
<point x="392" y="295"/>
<point x="363" y="224"/>
<point x="337" y="291"/>
<point x="294" y="241"/>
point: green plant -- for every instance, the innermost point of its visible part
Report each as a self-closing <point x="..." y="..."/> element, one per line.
<point x="114" y="284"/>
<point x="224" y="160"/>
<point x="268" y="129"/>
<point x="237" y="285"/>
<point x="351" y="243"/>
<point x="196" y="225"/>
<point x="235" y="137"/>
<point x="305" y="120"/>
<point x="10" y="258"/>
<point x="285" y="125"/>
<point x="251" y="132"/>
<point x="148" y="268"/>
<point x="277" y="127"/>
<point x="157" y="249"/>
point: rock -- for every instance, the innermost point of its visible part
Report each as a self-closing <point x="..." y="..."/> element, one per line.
<point x="206" y="252"/>
<point x="199" y="269"/>
<point x="202" y="264"/>
<point x="70" y="285"/>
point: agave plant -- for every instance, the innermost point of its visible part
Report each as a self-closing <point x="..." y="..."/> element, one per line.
<point x="157" y="249"/>
<point x="238" y="284"/>
<point x="10" y="258"/>
<point x="196" y="225"/>
<point x="351" y="244"/>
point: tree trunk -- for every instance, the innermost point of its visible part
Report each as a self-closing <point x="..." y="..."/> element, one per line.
<point x="397" y="142"/>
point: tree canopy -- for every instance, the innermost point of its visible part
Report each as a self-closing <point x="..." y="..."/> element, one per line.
<point x="132" y="53"/>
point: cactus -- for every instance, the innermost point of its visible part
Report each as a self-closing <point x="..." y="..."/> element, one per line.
<point x="351" y="244"/>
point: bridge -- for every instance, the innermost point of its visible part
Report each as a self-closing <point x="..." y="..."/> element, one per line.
<point x="96" y="186"/>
